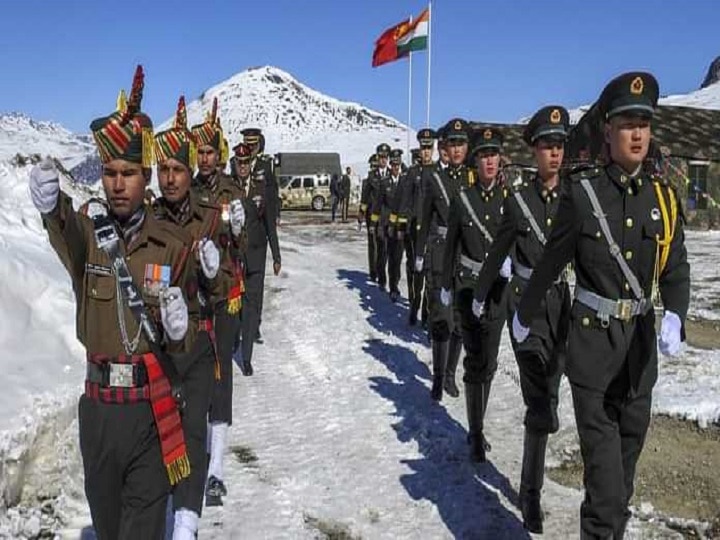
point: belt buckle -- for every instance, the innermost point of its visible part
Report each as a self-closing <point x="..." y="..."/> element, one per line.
<point x="625" y="310"/>
<point x="121" y="375"/>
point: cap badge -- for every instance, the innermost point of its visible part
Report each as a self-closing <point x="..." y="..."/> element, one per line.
<point x="637" y="86"/>
<point x="458" y="125"/>
<point x="487" y="135"/>
<point x="555" y="116"/>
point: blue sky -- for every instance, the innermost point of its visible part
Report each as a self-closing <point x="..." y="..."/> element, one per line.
<point x="65" y="60"/>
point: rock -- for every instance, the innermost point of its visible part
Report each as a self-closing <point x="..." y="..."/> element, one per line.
<point x="713" y="74"/>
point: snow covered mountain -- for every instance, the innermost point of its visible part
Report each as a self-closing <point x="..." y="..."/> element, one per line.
<point x="296" y="118"/>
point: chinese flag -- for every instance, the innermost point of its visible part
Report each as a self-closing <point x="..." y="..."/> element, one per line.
<point x="386" y="49"/>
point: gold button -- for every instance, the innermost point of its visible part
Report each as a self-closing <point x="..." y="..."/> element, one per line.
<point x="549" y="221"/>
<point x="627" y="286"/>
<point x="629" y="222"/>
<point x="586" y="321"/>
<point x="94" y="291"/>
<point x="628" y="255"/>
<point x="487" y="218"/>
<point x="517" y="290"/>
<point x="597" y="234"/>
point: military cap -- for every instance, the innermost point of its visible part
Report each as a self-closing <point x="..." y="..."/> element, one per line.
<point x="396" y="155"/>
<point x="209" y="133"/>
<point x="550" y="122"/>
<point x="489" y="138"/>
<point x="373" y="160"/>
<point x="242" y="152"/>
<point x="456" y="129"/>
<point x="382" y="149"/>
<point x="426" y="137"/>
<point x="634" y="93"/>
<point x="251" y="135"/>
<point x="127" y="133"/>
<point x="177" y="142"/>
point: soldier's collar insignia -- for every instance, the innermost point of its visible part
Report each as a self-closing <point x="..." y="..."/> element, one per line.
<point x="555" y="116"/>
<point x="637" y="86"/>
<point x="487" y="135"/>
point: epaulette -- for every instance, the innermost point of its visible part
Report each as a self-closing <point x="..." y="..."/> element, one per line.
<point x="93" y="207"/>
<point x="585" y="172"/>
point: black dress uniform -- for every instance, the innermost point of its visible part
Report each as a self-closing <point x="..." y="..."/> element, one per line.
<point x="475" y="216"/>
<point x="624" y="233"/>
<point x="408" y="221"/>
<point x="391" y="195"/>
<point x="261" y="229"/>
<point x="528" y="216"/>
<point x="375" y="207"/>
<point x="263" y="172"/>
<point x="364" y="213"/>
<point x="440" y="187"/>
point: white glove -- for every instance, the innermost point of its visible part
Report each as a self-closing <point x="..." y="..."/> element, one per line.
<point x="670" y="340"/>
<point x="478" y="308"/>
<point x="520" y="332"/>
<point x="174" y="313"/>
<point x="445" y="297"/>
<point x="209" y="258"/>
<point x="506" y="268"/>
<point x="44" y="186"/>
<point x="419" y="263"/>
<point x="237" y="216"/>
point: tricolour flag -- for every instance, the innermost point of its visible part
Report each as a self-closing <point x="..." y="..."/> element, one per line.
<point x="402" y="39"/>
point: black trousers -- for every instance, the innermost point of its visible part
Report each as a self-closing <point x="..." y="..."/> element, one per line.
<point x="344" y="208"/>
<point x="381" y="256"/>
<point x="440" y="318"/>
<point x="262" y="287"/>
<point x="481" y="337"/>
<point x="252" y="311"/>
<point x="408" y="240"/>
<point x="126" y="483"/>
<point x="541" y="357"/>
<point x="227" y="327"/>
<point x="395" y="253"/>
<point x="372" y="249"/>
<point x="612" y="426"/>
<point x="197" y="385"/>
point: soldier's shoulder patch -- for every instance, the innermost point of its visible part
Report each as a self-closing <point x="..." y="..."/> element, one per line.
<point x="584" y="172"/>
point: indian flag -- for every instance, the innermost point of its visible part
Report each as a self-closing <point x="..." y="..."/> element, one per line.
<point x="416" y="38"/>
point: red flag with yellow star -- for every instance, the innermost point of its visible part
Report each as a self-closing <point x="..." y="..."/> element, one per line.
<point x="386" y="46"/>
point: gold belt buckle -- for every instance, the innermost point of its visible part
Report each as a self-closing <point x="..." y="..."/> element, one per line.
<point x="121" y="375"/>
<point x="625" y="310"/>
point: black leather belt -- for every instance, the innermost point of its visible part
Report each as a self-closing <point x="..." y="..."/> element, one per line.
<point x="117" y="375"/>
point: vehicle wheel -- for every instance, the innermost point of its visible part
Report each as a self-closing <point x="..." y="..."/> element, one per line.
<point x="318" y="203"/>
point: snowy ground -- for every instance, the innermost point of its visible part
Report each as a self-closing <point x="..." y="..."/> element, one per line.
<point x="338" y="412"/>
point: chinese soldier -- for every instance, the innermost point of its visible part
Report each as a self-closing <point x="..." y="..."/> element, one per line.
<point x="528" y="216"/>
<point x="440" y="187"/>
<point x="133" y="279"/>
<point x="623" y="229"/>
<point x="213" y="187"/>
<point x="389" y="231"/>
<point x="364" y="213"/>
<point x="175" y="154"/>
<point x="375" y="205"/>
<point x="475" y="215"/>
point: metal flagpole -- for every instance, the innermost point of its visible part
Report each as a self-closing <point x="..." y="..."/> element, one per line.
<point x="430" y="18"/>
<point x="407" y="147"/>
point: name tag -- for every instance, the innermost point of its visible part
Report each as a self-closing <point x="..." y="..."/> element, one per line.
<point x="157" y="277"/>
<point x="98" y="269"/>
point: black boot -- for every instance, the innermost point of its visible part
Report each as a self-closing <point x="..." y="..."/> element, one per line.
<point x="439" y="359"/>
<point x="454" y="350"/>
<point x="412" y="320"/>
<point x="531" y="480"/>
<point x="476" y="401"/>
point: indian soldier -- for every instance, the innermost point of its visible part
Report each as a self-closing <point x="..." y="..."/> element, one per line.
<point x="411" y="206"/>
<point x="623" y="229"/>
<point x="216" y="188"/>
<point x="366" y="193"/>
<point x="375" y="208"/>
<point x="388" y="227"/>
<point x="260" y="229"/>
<point x="269" y="201"/>
<point x="440" y="187"/>
<point x="528" y="216"/>
<point x="345" y="188"/>
<point x="475" y="215"/>
<point x="133" y="279"/>
<point x="175" y="153"/>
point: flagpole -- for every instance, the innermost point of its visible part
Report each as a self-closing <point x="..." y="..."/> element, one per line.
<point x="407" y="147"/>
<point x="427" y="117"/>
